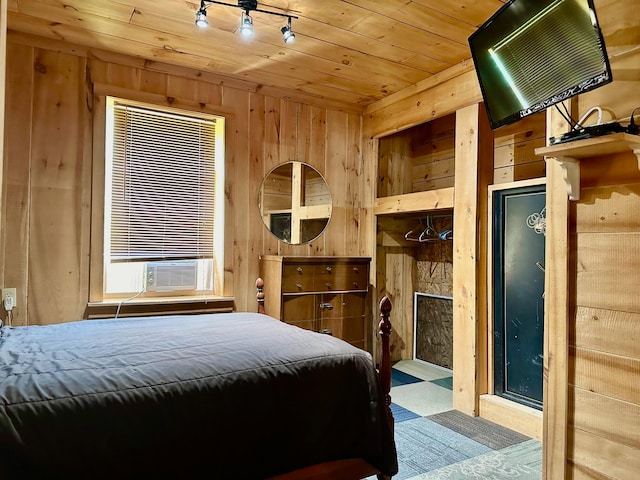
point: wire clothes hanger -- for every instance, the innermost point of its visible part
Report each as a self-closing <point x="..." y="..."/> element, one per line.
<point x="413" y="235"/>
<point x="428" y="233"/>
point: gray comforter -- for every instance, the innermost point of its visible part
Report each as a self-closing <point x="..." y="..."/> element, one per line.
<point x="237" y="395"/>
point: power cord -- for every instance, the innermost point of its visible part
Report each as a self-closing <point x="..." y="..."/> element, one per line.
<point x="126" y="300"/>
<point x="632" y="127"/>
<point x="586" y="115"/>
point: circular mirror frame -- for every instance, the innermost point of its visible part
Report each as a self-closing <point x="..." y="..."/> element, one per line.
<point x="295" y="202"/>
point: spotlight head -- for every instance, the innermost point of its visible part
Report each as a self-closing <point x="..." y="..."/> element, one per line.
<point x="287" y="33"/>
<point x="201" y="18"/>
<point x="246" y="24"/>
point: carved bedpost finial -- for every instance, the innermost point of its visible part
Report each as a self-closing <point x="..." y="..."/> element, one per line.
<point x="260" y="294"/>
<point x="385" y="361"/>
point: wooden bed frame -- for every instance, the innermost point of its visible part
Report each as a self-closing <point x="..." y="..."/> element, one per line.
<point x="351" y="468"/>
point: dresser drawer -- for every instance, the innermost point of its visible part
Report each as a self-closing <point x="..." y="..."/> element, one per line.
<point x="319" y="293"/>
<point x="297" y="278"/>
<point x="340" y="277"/>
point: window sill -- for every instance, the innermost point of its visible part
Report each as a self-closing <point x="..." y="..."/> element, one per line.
<point x="140" y="307"/>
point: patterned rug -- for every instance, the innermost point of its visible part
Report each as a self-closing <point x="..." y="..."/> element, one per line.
<point x="522" y="461"/>
<point x="435" y="442"/>
<point x="429" y="450"/>
<point x="478" y="429"/>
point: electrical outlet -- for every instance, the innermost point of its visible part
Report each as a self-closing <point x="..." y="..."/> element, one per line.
<point x="9" y="292"/>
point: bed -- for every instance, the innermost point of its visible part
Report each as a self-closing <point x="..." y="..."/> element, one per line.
<point x="227" y="395"/>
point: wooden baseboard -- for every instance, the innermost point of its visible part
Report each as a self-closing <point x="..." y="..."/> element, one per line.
<point x="512" y="415"/>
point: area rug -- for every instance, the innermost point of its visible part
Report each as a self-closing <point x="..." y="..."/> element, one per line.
<point x="522" y="461"/>
<point x="424" y="445"/>
<point x="482" y="431"/>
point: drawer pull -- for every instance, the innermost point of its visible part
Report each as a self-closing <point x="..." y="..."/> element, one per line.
<point x="328" y="268"/>
<point x="355" y="269"/>
<point x="328" y="306"/>
<point x="299" y="285"/>
<point x="355" y="284"/>
<point x="299" y="269"/>
<point x="328" y="285"/>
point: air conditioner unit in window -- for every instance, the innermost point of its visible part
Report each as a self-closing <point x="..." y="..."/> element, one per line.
<point x="170" y="276"/>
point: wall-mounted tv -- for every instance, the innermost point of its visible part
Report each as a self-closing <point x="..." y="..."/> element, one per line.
<point x="532" y="54"/>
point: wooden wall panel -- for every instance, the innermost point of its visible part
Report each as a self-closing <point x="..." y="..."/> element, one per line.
<point x="399" y="276"/>
<point x="271" y="157"/>
<point x="604" y="353"/>
<point x="556" y="315"/>
<point x="474" y="167"/>
<point x="601" y="456"/>
<point x="58" y="286"/>
<point x="593" y="326"/>
<point x="606" y="374"/>
<point x="3" y="81"/>
<point x="607" y="271"/>
<point x="604" y="416"/>
<point x="514" y="150"/>
<point x="56" y="141"/>
<point x="609" y="209"/>
<point x="236" y="223"/>
<point x="16" y="191"/>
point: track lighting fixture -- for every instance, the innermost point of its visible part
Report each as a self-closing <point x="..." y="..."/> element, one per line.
<point x="246" y="22"/>
<point x="201" y="18"/>
<point x="287" y="33"/>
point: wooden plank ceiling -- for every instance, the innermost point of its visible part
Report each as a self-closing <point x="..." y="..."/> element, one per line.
<point x="352" y="52"/>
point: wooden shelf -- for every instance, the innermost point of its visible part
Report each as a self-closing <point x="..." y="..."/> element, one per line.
<point x="569" y="154"/>
<point x="430" y="200"/>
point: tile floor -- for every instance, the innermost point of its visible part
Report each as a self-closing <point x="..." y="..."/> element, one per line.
<point x="436" y="442"/>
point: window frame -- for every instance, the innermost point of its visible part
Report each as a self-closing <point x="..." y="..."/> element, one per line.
<point x="98" y="257"/>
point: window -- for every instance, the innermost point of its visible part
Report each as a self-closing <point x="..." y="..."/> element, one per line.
<point x="163" y="211"/>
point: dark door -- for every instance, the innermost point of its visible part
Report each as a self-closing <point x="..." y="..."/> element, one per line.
<point x="519" y="231"/>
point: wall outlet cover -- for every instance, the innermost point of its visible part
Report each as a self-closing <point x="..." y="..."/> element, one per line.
<point x="11" y="292"/>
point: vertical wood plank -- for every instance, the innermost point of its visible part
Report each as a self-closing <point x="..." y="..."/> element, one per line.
<point x="556" y="304"/>
<point x="465" y="260"/>
<point x="303" y="146"/>
<point x="96" y="280"/>
<point x="271" y="148"/>
<point x="3" y="70"/>
<point x="556" y="348"/>
<point x="256" y="160"/>
<point x="317" y="156"/>
<point x="337" y="179"/>
<point x="367" y="245"/>
<point x="237" y="190"/>
<point x="56" y="290"/>
<point x="485" y="155"/>
<point x="16" y="188"/>
<point x="353" y="172"/>
<point x="289" y="112"/>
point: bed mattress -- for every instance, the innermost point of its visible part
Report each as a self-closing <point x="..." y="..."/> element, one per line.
<point x="241" y="395"/>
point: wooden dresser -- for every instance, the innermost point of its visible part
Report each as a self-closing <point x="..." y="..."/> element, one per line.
<point x="324" y="294"/>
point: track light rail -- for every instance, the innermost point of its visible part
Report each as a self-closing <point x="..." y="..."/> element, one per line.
<point x="246" y="22"/>
<point x="247" y="6"/>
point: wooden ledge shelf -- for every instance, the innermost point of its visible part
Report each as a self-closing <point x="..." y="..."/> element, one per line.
<point x="430" y="200"/>
<point x="569" y="154"/>
<point x="139" y="307"/>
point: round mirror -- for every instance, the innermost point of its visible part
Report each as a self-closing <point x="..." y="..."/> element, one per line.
<point x="295" y="202"/>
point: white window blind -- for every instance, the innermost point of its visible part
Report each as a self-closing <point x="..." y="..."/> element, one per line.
<point x="163" y="186"/>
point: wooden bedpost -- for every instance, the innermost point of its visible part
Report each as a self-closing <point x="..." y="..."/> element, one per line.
<point x="260" y="294"/>
<point x="384" y="328"/>
<point x="385" y="360"/>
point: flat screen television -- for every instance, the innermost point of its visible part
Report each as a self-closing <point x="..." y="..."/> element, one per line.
<point x="532" y="54"/>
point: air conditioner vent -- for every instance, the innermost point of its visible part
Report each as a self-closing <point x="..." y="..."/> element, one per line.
<point x="170" y="276"/>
